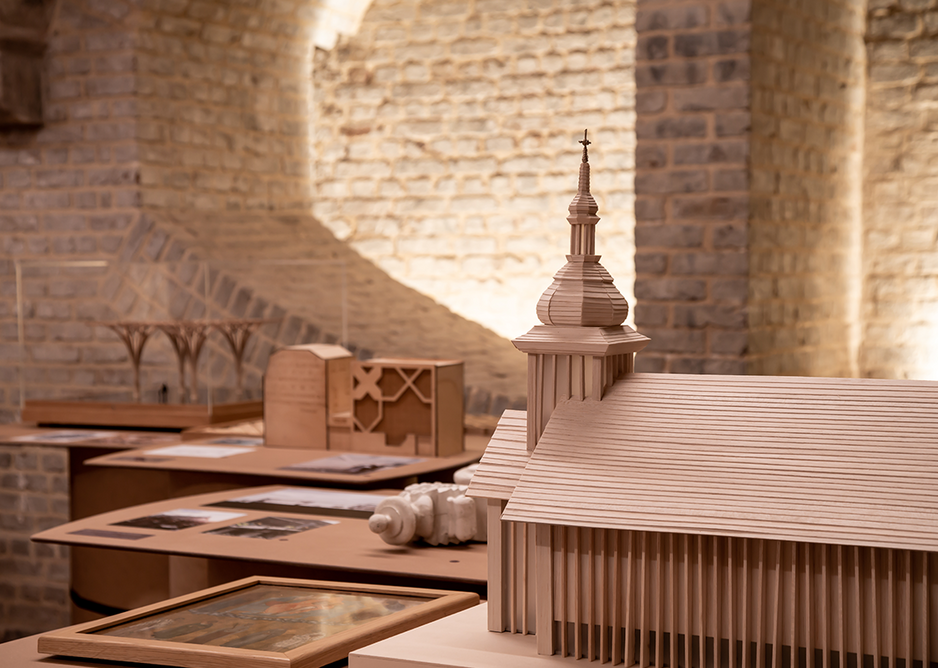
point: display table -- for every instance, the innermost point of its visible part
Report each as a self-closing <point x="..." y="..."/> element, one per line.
<point x="345" y="550"/>
<point x="461" y="640"/>
<point x="275" y="464"/>
<point x="119" y="479"/>
<point x="22" y="654"/>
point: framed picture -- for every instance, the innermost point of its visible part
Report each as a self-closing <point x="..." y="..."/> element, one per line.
<point x="257" y="622"/>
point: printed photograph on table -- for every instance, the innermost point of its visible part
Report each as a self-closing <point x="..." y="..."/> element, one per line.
<point x="307" y="500"/>
<point x="237" y="440"/>
<point x="269" y="528"/>
<point x="353" y="463"/>
<point x="258" y="622"/>
<point x="62" y="436"/>
<point x="203" y="451"/>
<point x="174" y="520"/>
<point x="132" y="439"/>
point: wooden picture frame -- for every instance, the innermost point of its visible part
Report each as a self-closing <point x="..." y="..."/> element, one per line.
<point x="266" y="622"/>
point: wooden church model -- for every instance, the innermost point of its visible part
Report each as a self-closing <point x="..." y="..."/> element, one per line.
<point x="705" y="521"/>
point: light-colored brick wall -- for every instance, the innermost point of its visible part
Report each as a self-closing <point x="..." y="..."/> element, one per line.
<point x="198" y="113"/>
<point x="446" y="144"/>
<point x="806" y="146"/>
<point x="70" y="190"/>
<point x="222" y="92"/>
<point x="691" y="184"/>
<point x="900" y="251"/>
<point x="67" y="191"/>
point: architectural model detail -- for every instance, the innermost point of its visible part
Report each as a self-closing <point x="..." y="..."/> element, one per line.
<point x="319" y="396"/>
<point x="408" y="407"/>
<point x="440" y="513"/>
<point x="692" y="521"/>
<point x="187" y="338"/>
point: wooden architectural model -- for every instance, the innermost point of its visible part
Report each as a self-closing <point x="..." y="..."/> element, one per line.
<point x="684" y="520"/>
<point x="308" y="397"/>
<point x="319" y="396"/>
<point x="408" y="407"/>
<point x="439" y="513"/>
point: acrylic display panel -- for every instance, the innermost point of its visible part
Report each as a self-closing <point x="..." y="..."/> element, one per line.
<point x="80" y="324"/>
<point x="256" y="622"/>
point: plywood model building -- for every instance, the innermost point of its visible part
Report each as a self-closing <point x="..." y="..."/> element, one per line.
<point x="408" y="407"/>
<point x="679" y="520"/>
<point x="319" y="396"/>
<point x="307" y="397"/>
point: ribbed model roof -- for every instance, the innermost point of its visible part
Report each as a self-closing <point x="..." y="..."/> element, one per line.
<point x="809" y="459"/>
<point x="504" y="458"/>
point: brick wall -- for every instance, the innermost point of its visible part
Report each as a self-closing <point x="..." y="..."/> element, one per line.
<point x="33" y="577"/>
<point x="900" y="300"/>
<point x="198" y="114"/>
<point x="446" y="144"/>
<point x="70" y="190"/>
<point x="691" y="184"/>
<point x="806" y="146"/>
<point x="222" y="91"/>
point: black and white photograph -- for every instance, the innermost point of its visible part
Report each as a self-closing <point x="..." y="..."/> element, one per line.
<point x="307" y="500"/>
<point x="353" y="463"/>
<point x="183" y="518"/>
<point x="269" y="528"/>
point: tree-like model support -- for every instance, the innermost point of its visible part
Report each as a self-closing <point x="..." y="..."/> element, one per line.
<point x="134" y="335"/>
<point x="187" y="339"/>
<point x="238" y="333"/>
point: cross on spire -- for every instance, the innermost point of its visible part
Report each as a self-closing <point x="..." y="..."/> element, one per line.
<point x="586" y="142"/>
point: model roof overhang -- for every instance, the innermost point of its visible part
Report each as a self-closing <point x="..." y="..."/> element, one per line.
<point x="504" y="458"/>
<point x="837" y="461"/>
<point x="595" y="341"/>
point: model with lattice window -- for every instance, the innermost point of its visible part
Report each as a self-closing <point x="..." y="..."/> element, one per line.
<point x="319" y="396"/>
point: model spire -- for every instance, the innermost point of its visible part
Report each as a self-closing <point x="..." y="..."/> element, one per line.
<point x="583" y="209"/>
<point x="582" y="294"/>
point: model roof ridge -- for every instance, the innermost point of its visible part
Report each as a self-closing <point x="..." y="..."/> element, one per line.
<point x="582" y="293"/>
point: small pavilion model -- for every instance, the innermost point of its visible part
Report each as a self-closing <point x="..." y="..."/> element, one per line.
<point x="705" y="521"/>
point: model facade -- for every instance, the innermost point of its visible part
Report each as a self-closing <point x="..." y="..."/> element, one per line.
<point x="318" y="395"/>
<point x="686" y="520"/>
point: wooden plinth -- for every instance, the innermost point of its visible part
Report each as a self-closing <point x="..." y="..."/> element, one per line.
<point x="458" y="641"/>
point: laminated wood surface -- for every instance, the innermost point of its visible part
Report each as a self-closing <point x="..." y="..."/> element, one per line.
<point x="824" y="460"/>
